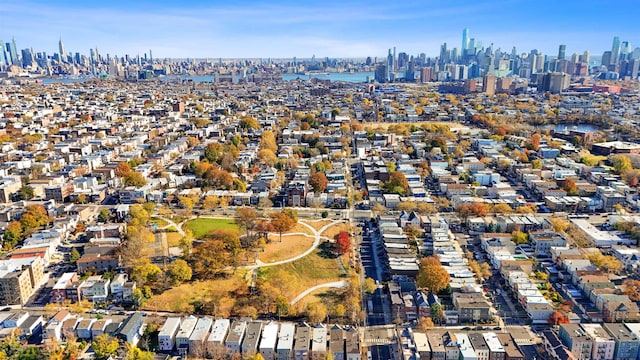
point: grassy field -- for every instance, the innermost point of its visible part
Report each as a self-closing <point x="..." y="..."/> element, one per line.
<point x="318" y="224"/>
<point x="335" y="229"/>
<point x="288" y="248"/>
<point x="182" y="298"/>
<point x="160" y="222"/>
<point x="316" y="268"/>
<point x="201" y="226"/>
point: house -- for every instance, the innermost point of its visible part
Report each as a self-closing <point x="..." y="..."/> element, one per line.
<point x="184" y="333"/>
<point x="131" y="329"/>
<point x="83" y="330"/>
<point x="117" y="286"/>
<point x="53" y="329"/>
<point x="285" y="341"/>
<point x="32" y="325"/>
<point x="235" y="337"/>
<point x="319" y="341"/>
<point x="215" y="342"/>
<point x="167" y="334"/>
<point x="198" y="336"/>
<point x="251" y="338"/>
<point x="337" y="342"/>
<point x="576" y="340"/>
<point x="543" y="241"/>
<point x="269" y="340"/>
<point x="58" y="293"/>
<point x="421" y="341"/>
<point x="627" y="343"/>
<point x="352" y="344"/>
<point x="99" y="327"/>
<point x="471" y="307"/>
<point x="302" y="342"/>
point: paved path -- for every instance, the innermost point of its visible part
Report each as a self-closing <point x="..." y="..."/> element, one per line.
<point x="336" y="285"/>
<point x="170" y="224"/>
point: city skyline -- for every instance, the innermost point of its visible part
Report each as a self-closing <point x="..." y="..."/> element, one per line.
<point x="284" y="29"/>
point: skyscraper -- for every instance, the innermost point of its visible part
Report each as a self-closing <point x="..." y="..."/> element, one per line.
<point x="465" y="40"/>
<point x="615" y="51"/>
<point x="562" y="49"/>
<point x="3" y="54"/>
<point x="63" y="54"/>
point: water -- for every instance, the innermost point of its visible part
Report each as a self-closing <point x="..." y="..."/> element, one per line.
<point x="358" y="77"/>
<point x="566" y="127"/>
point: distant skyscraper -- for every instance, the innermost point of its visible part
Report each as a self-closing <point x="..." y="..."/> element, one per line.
<point x="27" y="57"/>
<point x="615" y="51"/>
<point x="4" y="60"/>
<point x="63" y="54"/>
<point x="465" y="40"/>
<point x="562" y="49"/>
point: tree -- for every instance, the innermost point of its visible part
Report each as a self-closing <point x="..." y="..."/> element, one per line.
<point x="407" y="206"/>
<point x="292" y="214"/>
<point x="466" y="210"/>
<point x="621" y="163"/>
<point x="219" y="250"/>
<point x="316" y="312"/>
<point x="424" y="208"/>
<point x="432" y="275"/>
<point x="249" y="122"/>
<point x="135" y="353"/>
<point x="267" y="157"/>
<point x="281" y="223"/>
<point x="501" y="209"/>
<point x="558" y="318"/>
<point x="179" y="271"/>
<point x="145" y="273"/>
<point x="186" y="243"/>
<point x="318" y="182"/>
<point x="213" y="152"/>
<point x="518" y="237"/>
<point x="632" y="289"/>
<point x="536" y="164"/>
<point x="122" y="169"/>
<point x="369" y="285"/>
<point x="535" y="141"/>
<point x="343" y="243"/>
<point x="12" y="235"/>
<point x="606" y="263"/>
<point x="26" y="192"/>
<point x="397" y="184"/>
<point x="104" y="346"/>
<point x="74" y="255"/>
<point x="378" y="209"/>
<point x="186" y="202"/>
<point x="425" y="324"/>
<point x="570" y="187"/>
<point x="268" y="141"/>
<point x="103" y="216"/>
<point x="559" y="224"/>
<point x="246" y="220"/>
<point x="134" y="178"/>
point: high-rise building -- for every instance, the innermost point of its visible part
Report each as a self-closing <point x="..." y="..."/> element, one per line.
<point x="489" y="84"/>
<point x="562" y="49"/>
<point x="465" y="40"/>
<point x="27" y="57"/>
<point x="426" y="74"/>
<point x="409" y="75"/>
<point x="381" y="73"/>
<point x="63" y="54"/>
<point x="4" y="59"/>
<point x="615" y="51"/>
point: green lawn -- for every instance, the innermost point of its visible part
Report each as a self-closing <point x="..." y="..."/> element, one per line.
<point x="201" y="226"/>
<point x="313" y="269"/>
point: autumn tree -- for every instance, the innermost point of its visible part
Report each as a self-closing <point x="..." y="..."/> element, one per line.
<point x="501" y="209"/>
<point x="179" y="271"/>
<point x="424" y="208"/>
<point x="518" y="237"/>
<point x="621" y="163"/>
<point x="397" y="184"/>
<point x="317" y="312"/>
<point x="607" y="263"/>
<point x="281" y="223"/>
<point x="145" y="273"/>
<point x="559" y="224"/>
<point x="134" y="178"/>
<point x="432" y="275"/>
<point x="267" y="157"/>
<point x="318" y="182"/>
<point x="268" y="141"/>
<point x="407" y="206"/>
<point x="219" y="249"/>
<point x="249" y="122"/>
<point x="632" y="289"/>
<point x="343" y="243"/>
<point x="558" y="318"/>
<point x="466" y="210"/>
<point x="12" y="235"/>
<point x="104" y="346"/>
<point x="369" y="285"/>
<point x="246" y="219"/>
<point x="74" y="256"/>
<point x="535" y="141"/>
<point x="122" y="169"/>
<point x="570" y="187"/>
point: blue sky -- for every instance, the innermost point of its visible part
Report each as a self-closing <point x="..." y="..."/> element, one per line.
<point x="285" y="28"/>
